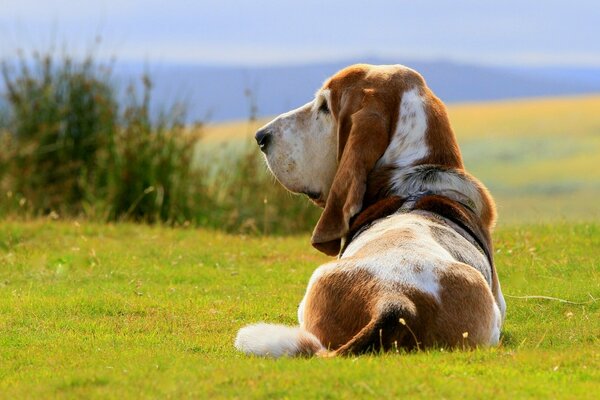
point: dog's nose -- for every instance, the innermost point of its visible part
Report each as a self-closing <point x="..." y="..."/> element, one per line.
<point x="263" y="138"/>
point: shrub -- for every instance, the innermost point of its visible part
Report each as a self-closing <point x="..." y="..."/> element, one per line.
<point x="68" y="148"/>
<point x="154" y="175"/>
<point x="61" y="121"/>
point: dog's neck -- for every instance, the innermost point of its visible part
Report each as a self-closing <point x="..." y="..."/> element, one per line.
<point x="459" y="216"/>
<point x="422" y="155"/>
<point x="452" y="183"/>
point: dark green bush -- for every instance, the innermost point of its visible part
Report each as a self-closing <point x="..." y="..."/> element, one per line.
<point x="154" y="165"/>
<point x="61" y="122"/>
<point x="67" y="148"/>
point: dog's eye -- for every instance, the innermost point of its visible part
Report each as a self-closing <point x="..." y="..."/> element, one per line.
<point x="323" y="107"/>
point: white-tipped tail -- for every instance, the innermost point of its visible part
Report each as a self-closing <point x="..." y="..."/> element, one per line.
<point x="270" y="340"/>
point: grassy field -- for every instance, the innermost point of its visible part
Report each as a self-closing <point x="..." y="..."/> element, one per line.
<point x="130" y="311"/>
<point x="127" y="311"/>
<point x="539" y="157"/>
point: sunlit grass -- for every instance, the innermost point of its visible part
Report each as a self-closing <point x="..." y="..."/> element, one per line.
<point x="564" y="116"/>
<point x="136" y="311"/>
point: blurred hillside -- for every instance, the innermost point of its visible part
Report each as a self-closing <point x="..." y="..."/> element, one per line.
<point x="220" y="93"/>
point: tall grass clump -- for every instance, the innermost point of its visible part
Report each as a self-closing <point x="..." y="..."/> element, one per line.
<point x="154" y="171"/>
<point x="250" y="200"/>
<point x="59" y="129"/>
<point x="68" y="148"/>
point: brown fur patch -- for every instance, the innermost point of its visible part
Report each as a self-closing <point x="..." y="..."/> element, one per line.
<point x="378" y="184"/>
<point x="404" y="321"/>
<point x="339" y="305"/>
<point x="374" y="212"/>
<point x="351" y="312"/>
<point x="443" y="148"/>
<point x="488" y="213"/>
<point x="467" y="307"/>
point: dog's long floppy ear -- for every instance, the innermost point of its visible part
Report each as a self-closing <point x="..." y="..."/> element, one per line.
<point x="363" y="136"/>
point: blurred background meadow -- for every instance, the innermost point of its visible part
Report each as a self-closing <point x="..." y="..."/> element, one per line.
<point x="147" y="112"/>
<point x="140" y="227"/>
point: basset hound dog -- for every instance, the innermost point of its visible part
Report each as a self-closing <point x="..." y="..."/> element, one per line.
<point x="409" y="226"/>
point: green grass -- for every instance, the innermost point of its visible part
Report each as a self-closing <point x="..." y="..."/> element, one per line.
<point x="128" y="311"/>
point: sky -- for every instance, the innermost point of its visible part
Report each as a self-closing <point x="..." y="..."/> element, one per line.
<point x="507" y="32"/>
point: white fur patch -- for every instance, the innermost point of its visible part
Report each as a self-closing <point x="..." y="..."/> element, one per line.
<point x="496" y="326"/>
<point x="408" y="142"/>
<point x="301" y="153"/>
<point x="414" y="262"/>
<point x="270" y="340"/>
<point x="501" y="303"/>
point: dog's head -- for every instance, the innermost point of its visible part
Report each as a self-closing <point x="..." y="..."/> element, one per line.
<point x="364" y="118"/>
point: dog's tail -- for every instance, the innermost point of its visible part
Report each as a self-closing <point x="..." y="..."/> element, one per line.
<point x="270" y="340"/>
